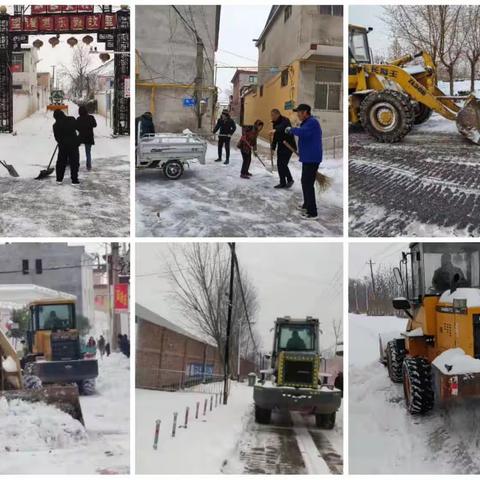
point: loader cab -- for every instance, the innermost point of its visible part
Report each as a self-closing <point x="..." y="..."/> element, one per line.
<point x="52" y="327"/>
<point x="358" y="47"/>
<point x="295" y="336"/>
<point x="429" y="269"/>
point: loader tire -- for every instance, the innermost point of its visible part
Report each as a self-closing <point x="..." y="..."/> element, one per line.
<point x="262" y="415"/>
<point x="86" y="387"/>
<point x="325" y="420"/>
<point x="387" y="115"/>
<point x="422" y="113"/>
<point x="173" y="169"/>
<point x="417" y="385"/>
<point x="395" y="357"/>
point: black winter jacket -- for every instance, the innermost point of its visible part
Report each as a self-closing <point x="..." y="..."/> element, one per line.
<point x="226" y="127"/>
<point x="280" y="136"/>
<point x="65" y="133"/>
<point x="85" y="126"/>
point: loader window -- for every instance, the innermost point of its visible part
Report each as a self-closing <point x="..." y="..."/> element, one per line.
<point x="359" y="46"/>
<point x="55" y="317"/>
<point x="296" y="338"/>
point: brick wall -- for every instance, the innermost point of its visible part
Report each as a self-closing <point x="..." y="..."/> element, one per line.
<point x="166" y="358"/>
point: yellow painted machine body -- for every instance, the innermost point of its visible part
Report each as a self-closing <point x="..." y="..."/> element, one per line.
<point x="450" y="326"/>
<point x="407" y="75"/>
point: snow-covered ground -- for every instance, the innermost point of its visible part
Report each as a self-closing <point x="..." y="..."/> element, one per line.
<point x="212" y="200"/>
<point x="227" y="439"/>
<point x="39" y="439"/>
<point x="99" y="207"/>
<point x="383" y="437"/>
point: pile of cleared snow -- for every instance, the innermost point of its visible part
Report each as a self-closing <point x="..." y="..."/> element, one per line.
<point x="456" y="362"/>
<point x="113" y="378"/>
<point x="26" y="426"/>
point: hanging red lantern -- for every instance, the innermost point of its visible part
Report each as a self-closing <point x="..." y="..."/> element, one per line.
<point x="37" y="44"/>
<point x="72" y="41"/>
<point x="54" y="41"/>
<point x="87" y="39"/>
<point x="104" y="57"/>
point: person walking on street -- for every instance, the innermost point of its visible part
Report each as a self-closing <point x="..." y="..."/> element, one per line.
<point x="85" y="125"/>
<point x="144" y="125"/>
<point x="309" y="135"/>
<point x="101" y="345"/>
<point x="65" y="133"/>
<point x="226" y="127"/>
<point x="280" y="124"/>
<point x="247" y="145"/>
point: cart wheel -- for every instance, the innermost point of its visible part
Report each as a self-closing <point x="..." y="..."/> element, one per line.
<point x="173" y="169"/>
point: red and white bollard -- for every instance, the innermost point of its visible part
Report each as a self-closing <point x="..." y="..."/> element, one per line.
<point x="211" y="403"/>
<point x="157" y="431"/>
<point x="205" y="407"/>
<point x="197" y="409"/>
<point x="186" y="417"/>
<point x="216" y="400"/>
<point x="174" y="428"/>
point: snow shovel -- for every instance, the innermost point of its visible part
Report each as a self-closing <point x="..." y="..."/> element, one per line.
<point x="10" y="168"/>
<point x="324" y="182"/>
<point x="49" y="170"/>
<point x="258" y="158"/>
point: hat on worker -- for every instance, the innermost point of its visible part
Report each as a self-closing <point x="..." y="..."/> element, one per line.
<point x="303" y="107"/>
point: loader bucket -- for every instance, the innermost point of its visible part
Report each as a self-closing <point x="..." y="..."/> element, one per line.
<point x="64" y="397"/>
<point x="468" y="120"/>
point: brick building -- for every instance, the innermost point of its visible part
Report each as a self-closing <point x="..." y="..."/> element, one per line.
<point x="169" y="356"/>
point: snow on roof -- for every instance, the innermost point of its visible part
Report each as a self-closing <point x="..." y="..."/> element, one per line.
<point x="152" y="317"/>
<point x="18" y="295"/>
<point x="471" y="295"/>
<point x="105" y="70"/>
<point x="456" y="362"/>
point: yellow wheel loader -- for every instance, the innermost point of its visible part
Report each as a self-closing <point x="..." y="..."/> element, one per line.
<point x="437" y="357"/>
<point x="52" y="368"/>
<point x="387" y="100"/>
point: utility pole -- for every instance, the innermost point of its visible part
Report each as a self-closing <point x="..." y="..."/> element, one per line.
<point x="114" y="269"/>
<point x="371" y="274"/>
<point x="53" y="77"/>
<point x="226" y="368"/>
<point x="199" y="81"/>
<point x="356" y="296"/>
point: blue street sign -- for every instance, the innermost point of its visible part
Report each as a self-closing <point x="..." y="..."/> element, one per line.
<point x="189" y="102"/>
<point x="289" y="105"/>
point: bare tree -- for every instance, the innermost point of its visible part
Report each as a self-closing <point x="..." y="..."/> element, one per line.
<point x="437" y="29"/>
<point x="471" y="27"/>
<point x="78" y="73"/>
<point x="200" y="274"/>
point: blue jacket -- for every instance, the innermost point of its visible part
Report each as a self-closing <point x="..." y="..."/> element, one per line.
<point x="309" y="140"/>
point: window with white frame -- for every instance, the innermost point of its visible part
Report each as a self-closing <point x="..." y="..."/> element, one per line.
<point x="328" y="89"/>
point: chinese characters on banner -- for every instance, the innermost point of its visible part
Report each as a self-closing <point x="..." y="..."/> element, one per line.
<point x="71" y="22"/>
<point x="121" y="297"/>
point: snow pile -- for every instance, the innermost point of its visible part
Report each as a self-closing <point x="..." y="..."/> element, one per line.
<point x="9" y="365"/>
<point x="456" y="362"/>
<point x="383" y="437"/>
<point x="27" y="427"/>
<point x="205" y="446"/>
<point x="471" y="295"/>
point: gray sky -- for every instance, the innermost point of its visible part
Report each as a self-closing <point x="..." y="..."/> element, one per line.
<point x="291" y="279"/>
<point x="239" y="25"/>
<point x="387" y="254"/>
<point x="371" y="16"/>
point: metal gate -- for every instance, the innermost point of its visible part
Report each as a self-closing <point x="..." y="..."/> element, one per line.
<point x="116" y="39"/>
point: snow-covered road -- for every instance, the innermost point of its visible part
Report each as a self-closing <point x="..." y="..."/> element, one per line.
<point x="426" y="185"/>
<point x="212" y="200"/>
<point x="99" y="207"/>
<point x="383" y="437"/>
<point x="39" y="439"/>
<point x="227" y="439"/>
